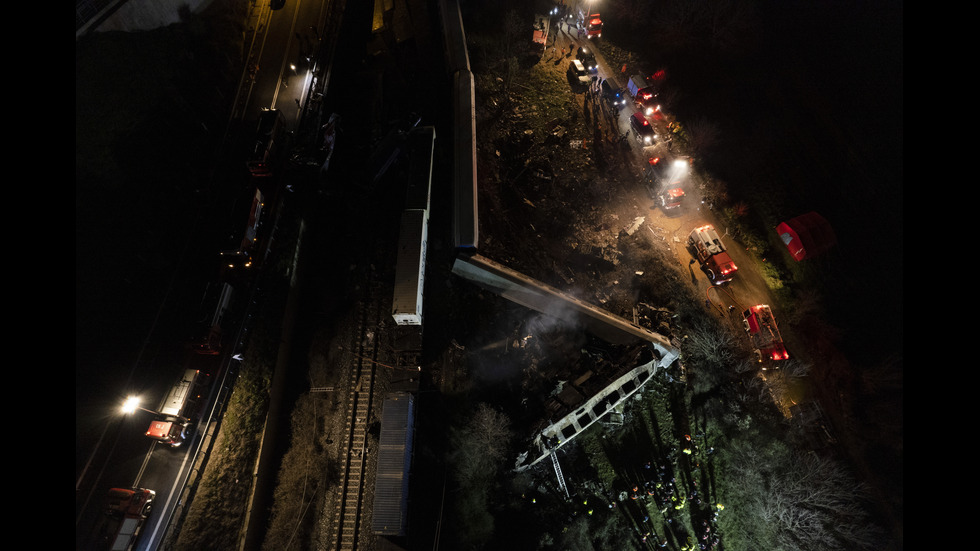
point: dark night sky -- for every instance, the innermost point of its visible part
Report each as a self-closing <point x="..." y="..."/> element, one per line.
<point x="814" y="118"/>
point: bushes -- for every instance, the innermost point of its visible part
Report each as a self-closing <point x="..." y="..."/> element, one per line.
<point x="218" y="510"/>
<point x="300" y="475"/>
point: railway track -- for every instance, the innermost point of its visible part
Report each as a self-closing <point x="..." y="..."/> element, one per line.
<point x="347" y="517"/>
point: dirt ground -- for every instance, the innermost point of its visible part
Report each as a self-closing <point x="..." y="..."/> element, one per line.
<point x="558" y="181"/>
<point x="576" y="196"/>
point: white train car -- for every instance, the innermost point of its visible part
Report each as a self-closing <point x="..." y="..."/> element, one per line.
<point x="406" y="307"/>
<point x="466" y="225"/>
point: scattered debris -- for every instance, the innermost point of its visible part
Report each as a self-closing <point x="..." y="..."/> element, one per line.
<point x="637" y="222"/>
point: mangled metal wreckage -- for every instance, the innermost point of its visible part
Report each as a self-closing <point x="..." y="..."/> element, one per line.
<point x="588" y="398"/>
<point x="576" y="405"/>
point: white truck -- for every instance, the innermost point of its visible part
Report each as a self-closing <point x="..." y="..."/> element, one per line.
<point x="173" y="421"/>
<point x="578" y="75"/>
<point x="644" y="94"/>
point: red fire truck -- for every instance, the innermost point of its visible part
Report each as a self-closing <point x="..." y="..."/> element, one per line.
<point x="127" y="510"/>
<point x="761" y="327"/>
<point x="210" y="345"/>
<point x="240" y="254"/>
<point x="711" y="254"/>
<point x="594" y="26"/>
<point x="172" y="424"/>
<point x="263" y="157"/>
<point x="665" y="181"/>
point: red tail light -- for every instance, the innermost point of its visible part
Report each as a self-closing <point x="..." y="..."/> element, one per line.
<point x="779" y="354"/>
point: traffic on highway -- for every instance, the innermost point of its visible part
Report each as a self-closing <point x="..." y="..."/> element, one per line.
<point x="132" y="487"/>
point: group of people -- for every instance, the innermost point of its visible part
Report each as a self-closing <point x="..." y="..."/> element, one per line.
<point x="658" y="488"/>
<point x="596" y="86"/>
<point x="562" y="16"/>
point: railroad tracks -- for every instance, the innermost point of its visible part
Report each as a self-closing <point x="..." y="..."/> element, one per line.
<point x="347" y="517"/>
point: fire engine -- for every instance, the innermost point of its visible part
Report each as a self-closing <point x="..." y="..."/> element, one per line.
<point x="594" y="26"/>
<point x="761" y="327"/>
<point x="172" y="424"/>
<point x="263" y="157"/>
<point x="711" y="254"/>
<point x="239" y="255"/>
<point x="665" y="181"/>
<point x="127" y="510"/>
<point x="210" y="345"/>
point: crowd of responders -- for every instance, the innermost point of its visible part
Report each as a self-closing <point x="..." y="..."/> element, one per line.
<point x="656" y="490"/>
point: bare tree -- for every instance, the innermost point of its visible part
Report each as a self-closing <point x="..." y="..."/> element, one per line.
<point x="794" y="501"/>
<point x="479" y="449"/>
<point x="702" y="135"/>
<point x="575" y="535"/>
<point x="670" y="96"/>
<point x="714" y="192"/>
<point x="712" y="346"/>
<point x="490" y="430"/>
<point x="816" y="504"/>
<point x="514" y="28"/>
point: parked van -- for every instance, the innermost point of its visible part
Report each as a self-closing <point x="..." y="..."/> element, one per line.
<point x="578" y="75"/>
<point x="642" y="129"/>
<point x="614" y="96"/>
<point x="587" y="58"/>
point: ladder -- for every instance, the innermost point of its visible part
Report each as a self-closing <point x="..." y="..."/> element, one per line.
<point x="561" y="478"/>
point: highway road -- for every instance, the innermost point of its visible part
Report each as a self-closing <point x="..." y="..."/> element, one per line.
<point x="281" y="59"/>
<point x="284" y="49"/>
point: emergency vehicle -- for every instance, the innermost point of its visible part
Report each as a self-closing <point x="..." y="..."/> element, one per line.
<point x="172" y="424"/>
<point x="665" y="181"/>
<point x="711" y="254"/>
<point x="594" y="26"/>
<point x="760" y="325"/>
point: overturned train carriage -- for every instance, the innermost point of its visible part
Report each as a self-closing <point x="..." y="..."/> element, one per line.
<point x="575" y="408"/>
